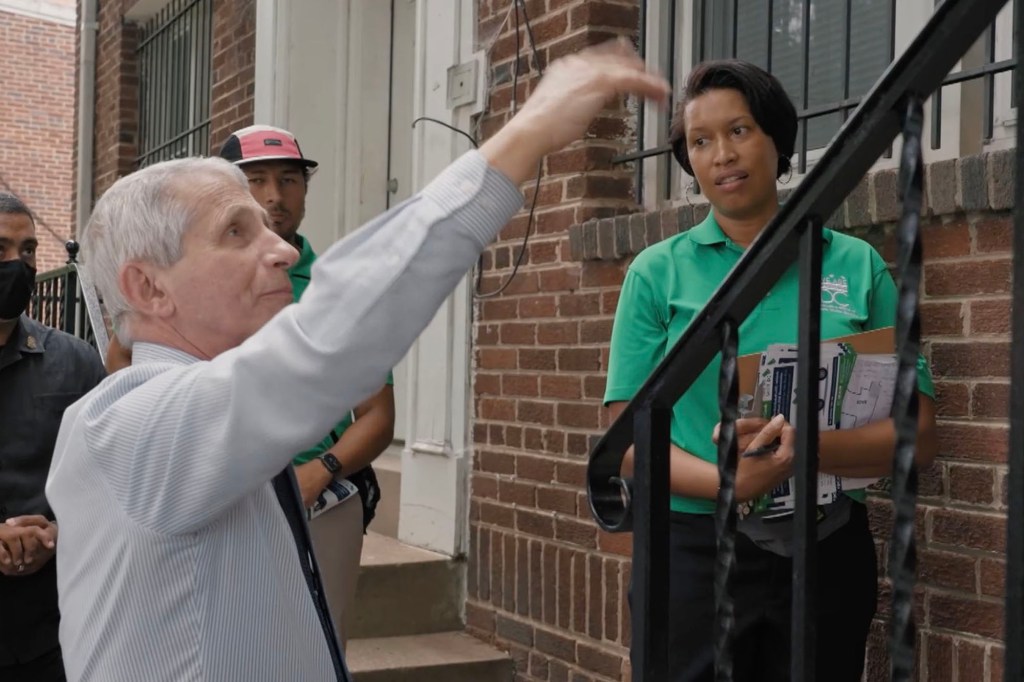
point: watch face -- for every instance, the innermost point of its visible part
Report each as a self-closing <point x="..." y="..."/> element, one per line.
<point x="333" y="465"/>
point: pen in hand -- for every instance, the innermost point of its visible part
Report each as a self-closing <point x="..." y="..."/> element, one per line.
<point x="764" y="449"/>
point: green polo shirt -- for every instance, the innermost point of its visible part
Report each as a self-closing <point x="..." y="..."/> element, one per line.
<point x="670" y="282"/>
<point x="300" y="274"/>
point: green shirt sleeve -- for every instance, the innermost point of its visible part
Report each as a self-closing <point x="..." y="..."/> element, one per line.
<point x="639" y="335"/>
<point x="884" y="300"/>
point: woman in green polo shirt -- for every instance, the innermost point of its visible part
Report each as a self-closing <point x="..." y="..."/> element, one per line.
<point x="734" y="132"/>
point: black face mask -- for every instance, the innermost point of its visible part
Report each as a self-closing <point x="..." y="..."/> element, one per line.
<point x="17" y="280"/>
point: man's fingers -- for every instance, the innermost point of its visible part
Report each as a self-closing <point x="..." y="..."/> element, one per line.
<point x="750" y="425"/>
<point x="628" y="81"/>
<point x="31" y="520"/>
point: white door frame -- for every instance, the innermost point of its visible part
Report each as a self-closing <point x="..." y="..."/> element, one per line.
<point x="436" y="457"/>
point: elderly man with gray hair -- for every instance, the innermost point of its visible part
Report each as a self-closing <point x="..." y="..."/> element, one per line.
<point x="177" y="561"/>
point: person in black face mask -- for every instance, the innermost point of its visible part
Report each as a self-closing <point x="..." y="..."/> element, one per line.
<point x="42" y="371"/>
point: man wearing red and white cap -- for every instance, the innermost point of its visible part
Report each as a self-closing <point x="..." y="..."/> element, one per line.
<point x="337" y="471"/>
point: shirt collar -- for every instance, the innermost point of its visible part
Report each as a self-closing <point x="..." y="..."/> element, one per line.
<point x="306" y="257"/>
<point x="143" y="353"/>
<point x="708" y="232"/>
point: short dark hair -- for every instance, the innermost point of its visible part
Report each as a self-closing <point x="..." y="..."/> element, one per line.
<point x="769" y="104"/>
<point x="12" y="205"/>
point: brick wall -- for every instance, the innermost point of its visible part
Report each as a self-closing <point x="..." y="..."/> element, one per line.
<point x="37" y="71"/>
<point x="544" y="583"/>
<point x="117" y="96"/>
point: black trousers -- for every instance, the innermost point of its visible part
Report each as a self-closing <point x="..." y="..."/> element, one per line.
<point x="47" y="668"/>
<point x="762" y="593"/>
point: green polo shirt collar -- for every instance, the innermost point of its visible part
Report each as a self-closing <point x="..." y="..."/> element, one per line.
<point x="301" y="272"/>
<point x="709" y="233"/>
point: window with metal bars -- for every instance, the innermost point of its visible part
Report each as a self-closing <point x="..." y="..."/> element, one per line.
<point x="826" y="53"/>
<point x="174" y="82"/>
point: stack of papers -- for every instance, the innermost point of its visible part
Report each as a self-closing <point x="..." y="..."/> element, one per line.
<point x="854" y="389"/>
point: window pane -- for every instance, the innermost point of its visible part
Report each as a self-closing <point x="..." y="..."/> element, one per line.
<point x="831" y="80"/>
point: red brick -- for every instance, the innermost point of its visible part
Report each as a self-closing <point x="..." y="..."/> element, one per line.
<point x="974" y="359"/>
<point x="948" y="240"/>
<point x="535" y="523"/>
<point x="487" y="384"/>
<point x="608" y="14"/>
<point x="603" y="273"/>
<point x="485" y="486"/>
<point x="952" y="399"/>
<point x="994" y="235"/>
<point x="532" y="412"/>
<point x="990" y="317"/>
<point x="538" y="306"/>
<point x="966" y="529"/>
<point x="579" y="359"/>
<point x="564" y="279"/>
<point x="564" y="387"/>
<point x="972" y="484"/>
<point x="520" y="493"/>
<point x="535" y="468"/>
<point x="499" y="310"/>
<point x="499" y="409"/>
<point x="977" y="442"/>
<point x="497" y="515"/>
<point x="598" y="660"/>
<point x="558" y="333"/>
<point x="991" y="401"/>
<point x="947" y="570"/>
<point x="993" y="577"/>
<point x="599" y="186"/>
<point x="594" y="387"/>
<point x="497" y="358"/>
<point x="577" y="415"/>
<point x="539" y="359"/>
<point x="940" y="657"/>
<point x="972" y="616"/>
<point x="556" y="500"/>
<point x="942" y="319"/>
<point x="539" y="253"/>
<point x="497" y="462"/>
<point x="967" y="278"/>
<point x="519" y="385"/>
<point x="581" y="160"/>
<point x="579" y="305"/>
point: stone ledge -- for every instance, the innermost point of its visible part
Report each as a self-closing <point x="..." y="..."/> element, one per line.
<point x="983" y="182"/>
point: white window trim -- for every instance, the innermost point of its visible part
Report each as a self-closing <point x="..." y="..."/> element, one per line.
<point x="911" y="15"/>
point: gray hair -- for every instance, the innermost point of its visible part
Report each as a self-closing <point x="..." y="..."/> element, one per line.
<point x="143" y="217"/>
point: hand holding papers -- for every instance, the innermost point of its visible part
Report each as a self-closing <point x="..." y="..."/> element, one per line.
<point x="855" y="387"/>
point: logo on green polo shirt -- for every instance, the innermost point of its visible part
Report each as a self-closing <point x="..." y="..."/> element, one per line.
<point x="834" y="294"/>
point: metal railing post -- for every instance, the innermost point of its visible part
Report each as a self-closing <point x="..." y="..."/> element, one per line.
<point x="805" y="539"/>
<point x="650" y="492"/>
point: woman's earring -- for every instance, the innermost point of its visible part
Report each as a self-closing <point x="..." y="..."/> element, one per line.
<point x="687" y="191"/>
<point x="789" y="176"/>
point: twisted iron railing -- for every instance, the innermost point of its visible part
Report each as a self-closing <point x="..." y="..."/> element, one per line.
<point x="642" y="503"/>
<point x="58" y="302"/>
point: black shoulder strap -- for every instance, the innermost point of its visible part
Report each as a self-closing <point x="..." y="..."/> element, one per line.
<point x="287" y="489"/>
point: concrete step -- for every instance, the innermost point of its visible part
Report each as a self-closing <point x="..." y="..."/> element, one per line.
<point x="405" y="591"/>
<point x="389" y="476"/>
<point x="438" y="657"/>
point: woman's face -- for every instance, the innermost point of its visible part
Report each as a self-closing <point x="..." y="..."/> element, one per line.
<point x="734" y="161"/>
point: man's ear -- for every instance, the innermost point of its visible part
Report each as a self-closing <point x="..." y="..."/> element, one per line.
<point x="143" y="289"/>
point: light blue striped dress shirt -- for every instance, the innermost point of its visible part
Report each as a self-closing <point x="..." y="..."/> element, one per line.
<point x="175" y="562"/>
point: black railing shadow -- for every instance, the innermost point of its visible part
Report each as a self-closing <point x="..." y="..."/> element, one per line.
<point x="641" y="504"/>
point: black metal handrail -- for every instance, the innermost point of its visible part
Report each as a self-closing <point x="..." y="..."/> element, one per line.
<point x="57" y="300"/>
<point x="641" y="504"/>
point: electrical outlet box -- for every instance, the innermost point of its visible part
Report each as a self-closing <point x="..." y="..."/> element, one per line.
<point x="462" y="84"/>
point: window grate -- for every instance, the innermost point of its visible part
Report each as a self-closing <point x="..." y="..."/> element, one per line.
<point x="174" y="58"/>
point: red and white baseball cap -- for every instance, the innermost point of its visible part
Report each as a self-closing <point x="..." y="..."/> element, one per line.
<point x="263" y="143"/>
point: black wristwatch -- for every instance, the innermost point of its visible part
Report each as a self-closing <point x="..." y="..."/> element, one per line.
<point x="330" y="463"/>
